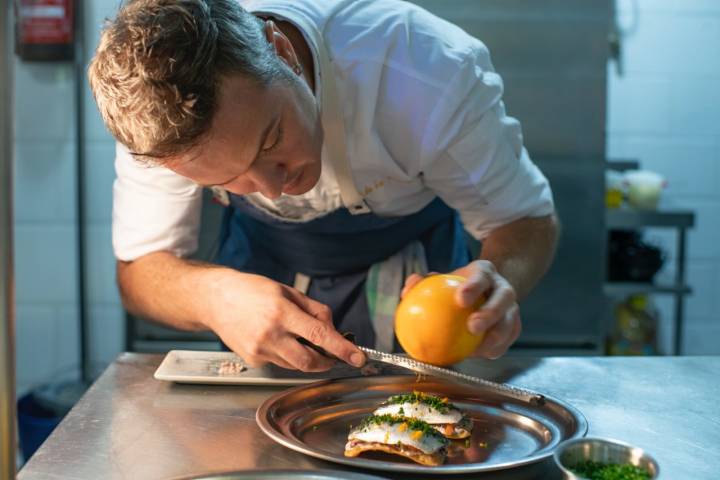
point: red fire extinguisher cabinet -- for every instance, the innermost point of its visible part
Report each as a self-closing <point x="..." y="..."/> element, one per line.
<point x="44" y="29"/>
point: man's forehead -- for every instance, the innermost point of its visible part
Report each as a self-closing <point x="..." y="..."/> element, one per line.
<point x="240" y="95"/>
<point x="241" y="114"/>
<point x="233" y="137"/>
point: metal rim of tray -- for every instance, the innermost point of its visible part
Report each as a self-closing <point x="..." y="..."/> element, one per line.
<point x="292" y="414"/>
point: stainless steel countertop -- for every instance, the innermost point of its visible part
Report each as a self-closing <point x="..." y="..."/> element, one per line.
<point x="131" y="426"/>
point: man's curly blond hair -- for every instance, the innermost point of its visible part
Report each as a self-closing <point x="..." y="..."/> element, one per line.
<point x="157" y="69"/>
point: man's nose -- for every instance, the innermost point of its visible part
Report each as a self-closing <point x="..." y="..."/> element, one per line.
<point x="270" y="182"/>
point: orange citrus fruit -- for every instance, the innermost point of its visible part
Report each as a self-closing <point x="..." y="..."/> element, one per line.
<point x="431" y="326"/>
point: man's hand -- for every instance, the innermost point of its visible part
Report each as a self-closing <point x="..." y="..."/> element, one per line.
<point x="498" y="317"/>
<point x="523" y="251"/>
<point x="261" y="320"/>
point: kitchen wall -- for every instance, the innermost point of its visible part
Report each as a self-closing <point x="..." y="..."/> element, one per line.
<point x="104" y="310"/>
<point x="665" y="111"/>
<point x="45" y="223"/>
<point x="46" y="257"/>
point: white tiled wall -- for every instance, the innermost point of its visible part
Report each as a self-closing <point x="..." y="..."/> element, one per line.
<point x="46" y="258"/>
<point x="106" y="325"/>
<point x="665" y="111"/>
<point x="45" y="227"/>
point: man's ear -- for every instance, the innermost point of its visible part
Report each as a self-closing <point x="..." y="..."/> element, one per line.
<point x="281" y="44"/>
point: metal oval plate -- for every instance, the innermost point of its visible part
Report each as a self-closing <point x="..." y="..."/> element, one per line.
<point x="315" y="420"/>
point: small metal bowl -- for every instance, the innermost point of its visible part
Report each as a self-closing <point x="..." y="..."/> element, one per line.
<point x="571" y="452"/>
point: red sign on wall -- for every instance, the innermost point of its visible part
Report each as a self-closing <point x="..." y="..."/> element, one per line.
<point x="46" y="21"/>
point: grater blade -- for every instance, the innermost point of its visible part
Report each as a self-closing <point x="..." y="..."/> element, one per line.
<point x="427" y="369"/>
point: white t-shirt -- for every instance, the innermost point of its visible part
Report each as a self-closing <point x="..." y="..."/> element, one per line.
<point x="423" y="118"/>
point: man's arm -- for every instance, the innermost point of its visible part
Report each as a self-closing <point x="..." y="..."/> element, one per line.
<point x="256" y="317"/>
<point x="148" y="283"/>
<point x="522" y="251"/>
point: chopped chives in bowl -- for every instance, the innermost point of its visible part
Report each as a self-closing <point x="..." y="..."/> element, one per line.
<point x="610" y="471"/>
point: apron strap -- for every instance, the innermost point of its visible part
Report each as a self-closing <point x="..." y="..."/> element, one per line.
<point x="334" y="142"/>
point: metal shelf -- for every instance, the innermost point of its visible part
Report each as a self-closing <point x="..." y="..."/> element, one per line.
<point x="630" y="288"/>
<point x="622" y="218"/>
<point x="681" y="220"/>
<point x="622" y="165"/>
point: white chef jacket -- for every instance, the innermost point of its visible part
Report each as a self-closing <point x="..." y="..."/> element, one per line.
<point x="423" y="118"/>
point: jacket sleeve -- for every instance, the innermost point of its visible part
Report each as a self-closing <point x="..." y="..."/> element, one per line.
<point x="475" y="159"/>
<point x="154" y="209"/>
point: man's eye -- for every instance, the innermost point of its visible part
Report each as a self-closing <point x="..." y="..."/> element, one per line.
<point x="276" y="142"/>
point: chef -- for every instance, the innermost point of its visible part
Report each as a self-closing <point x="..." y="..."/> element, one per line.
<point x="353" y="143"/>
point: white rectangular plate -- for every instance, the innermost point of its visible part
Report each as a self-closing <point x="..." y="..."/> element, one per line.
<point x="190" y="366"/>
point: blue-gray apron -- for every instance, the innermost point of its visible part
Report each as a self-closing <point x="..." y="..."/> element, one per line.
<point x="336" y="251"/>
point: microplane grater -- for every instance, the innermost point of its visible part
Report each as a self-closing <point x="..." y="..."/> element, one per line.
<point x="444" y="373"/>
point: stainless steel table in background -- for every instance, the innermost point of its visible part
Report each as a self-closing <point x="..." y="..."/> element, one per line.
<point x="131" y="426"/>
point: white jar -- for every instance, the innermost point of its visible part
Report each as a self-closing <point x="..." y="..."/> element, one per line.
<point x="644" y="188"/>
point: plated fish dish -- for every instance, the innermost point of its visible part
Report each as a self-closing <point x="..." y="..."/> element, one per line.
<point x="416" y="426"/>
<point x="442" y="415"/>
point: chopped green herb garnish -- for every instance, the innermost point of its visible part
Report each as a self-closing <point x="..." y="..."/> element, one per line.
<point x="610" y="471"/>
<point x="440" y="404"/>
<point x="412" y="423"/>
<point x="315" y="427"/>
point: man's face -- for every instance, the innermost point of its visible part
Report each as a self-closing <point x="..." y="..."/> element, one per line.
<point x="262" y="139"/>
